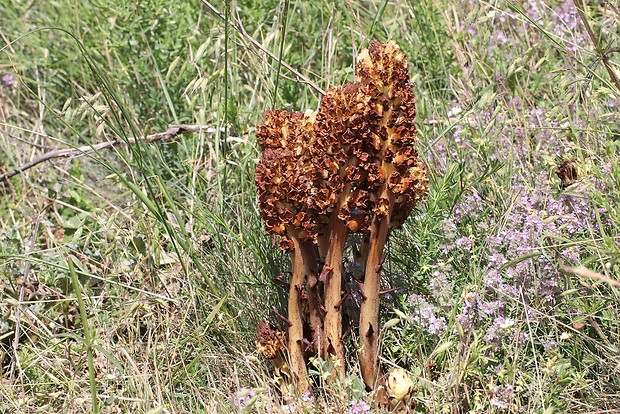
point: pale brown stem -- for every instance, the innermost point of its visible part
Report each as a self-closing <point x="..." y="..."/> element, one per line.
<point x="322" y="245"/>
<point x="369" y="309"/>
<point x="600" y="51"/>
<point x="312" y="290"/>
<point x="295" y="317"/>
<point x="333" y="286"/>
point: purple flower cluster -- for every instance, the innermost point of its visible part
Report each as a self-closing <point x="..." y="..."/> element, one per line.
<point x="424" y="315"/>
<point x="568" y="26"/>
<point x="525" y="238"/>
<point x="470" y="208"/>
<point x="243" y="397"/>
<point x="562" y="20"/>
<point x="502" y="396"/>
<point x="503" y="329"/>
<point x="520" y="252"/>
<point x="503" y="26"/>
<point x="7" y="79"/>
<point x="469" y="312"/>
<point x="358" y="407"/>
<point x="440" y="287"/>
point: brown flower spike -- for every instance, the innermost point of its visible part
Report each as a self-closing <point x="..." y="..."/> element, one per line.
<point x="351" y="167"/>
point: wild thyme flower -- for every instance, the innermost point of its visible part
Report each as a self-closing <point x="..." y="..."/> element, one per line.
<point x="532" y="9"/>
<point x="503" y="395"/>
<point x="441" y="287"/>
<point x="470" y="208"/>
<point x="469" y="313"/>
<point x="424" y="315"/>
<point x="8" y="79"/>
<point x="465" y="243"/>
<point x="499" y="330"/>
<point x="550" y="345"/>
<point x="568" y="26"/>
<point x="492" y="307"/>
<point x="354" y="290"/>
<point x="358" y="407"/>
<point x="243" y="397"/>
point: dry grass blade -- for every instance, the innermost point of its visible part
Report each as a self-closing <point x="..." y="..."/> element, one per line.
<point x="597" y="44"/>
<point x="590" y="274"/>
<point x="239" y="28"/>
<point x="18" y="311"/>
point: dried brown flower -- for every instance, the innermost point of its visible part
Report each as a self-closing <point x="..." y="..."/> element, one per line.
<point x="269" y="341"/>
<point x="567" y="172"/>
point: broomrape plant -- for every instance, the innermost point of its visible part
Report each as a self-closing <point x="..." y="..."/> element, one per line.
<point x="350" y="167"/>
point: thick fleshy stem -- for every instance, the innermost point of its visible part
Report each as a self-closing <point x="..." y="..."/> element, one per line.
<point x="296" y="347"/>
<point x="332" y="274"/>
<point x="369" y="309"/>
<point x="310" y="253"/>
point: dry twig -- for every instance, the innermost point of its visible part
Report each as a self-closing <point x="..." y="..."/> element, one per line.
<point x="171" y="132"/>
<point x="602" y="54"/>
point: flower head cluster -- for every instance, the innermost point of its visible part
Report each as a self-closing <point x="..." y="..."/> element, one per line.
<point x="561" y="18"/>
<point x="424" y="315"/>
<point x="7" y="79"/>
<point x="281" y="176"/>
<point x="503" y="395"/>
<point x="356" y="154"/>
<point x="350" y="167"/>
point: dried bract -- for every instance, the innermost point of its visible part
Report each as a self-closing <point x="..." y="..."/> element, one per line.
<point x="269" y="341"/>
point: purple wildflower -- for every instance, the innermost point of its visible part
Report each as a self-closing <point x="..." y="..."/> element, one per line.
<point x="243" y="397"/>
<point x="491" y="307"/>
<point x="465" y="243"/>
<point x="358" y="407"/>
<point x="8" y="79"/>
<point x="441" y="288"/>
<point x="502" y="396"/>
<point x="550" y="345"/>
<point x="469" y="314"/>
<point x="424" y="315"/>
<point x="355" y="291"/>
<point x="498" y="330"/>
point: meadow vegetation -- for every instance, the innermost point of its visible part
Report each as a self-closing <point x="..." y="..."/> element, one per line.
<point x="133" y="278"/>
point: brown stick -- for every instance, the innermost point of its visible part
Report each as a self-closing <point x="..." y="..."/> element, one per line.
<point x="597" y="45"/>
<point x="18" y="311"/>
<point x="171" y="132"/>
<point x="585" y="272"/>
